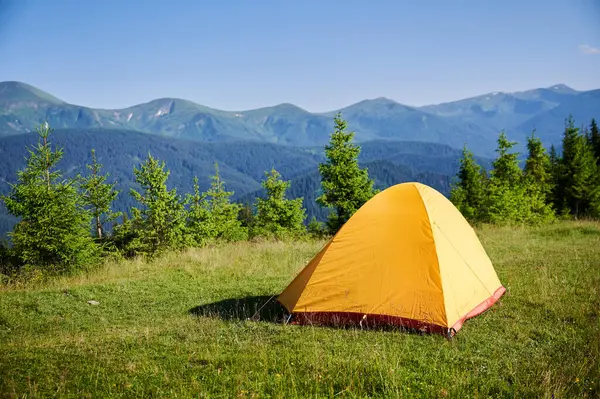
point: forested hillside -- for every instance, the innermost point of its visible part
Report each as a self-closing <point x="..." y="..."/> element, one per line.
<point x="242" y="164"/>
<point x="385" y="173"/>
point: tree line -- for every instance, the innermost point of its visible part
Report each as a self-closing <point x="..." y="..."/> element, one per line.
<point x="67" y="224"/>
<point x="549" y="186"/>
<point x="63" y="223"/>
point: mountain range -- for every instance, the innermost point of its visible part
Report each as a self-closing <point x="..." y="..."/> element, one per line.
<point x="474" y="121"/>
<point x="398" y="142"/>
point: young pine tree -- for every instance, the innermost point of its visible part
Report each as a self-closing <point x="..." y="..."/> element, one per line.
<point x="346" y="187"/>
<point x="160" y="223"/>
<point x="570" y="141"/>
<point x="556" y="194"/>
<point x="506" y="200"/>
<point x="594" y="139"/>
<point x="198" y="216"/>
<point x="53" y="230"/>
<point x="277" y="215"/>
<point x="223" y="222"/>
<point x="538" y="181"/>
<point x="315" y="229"/>
<point x="99" y="196"/>
<point x="247" y="217"/>
<point x="468" y="193"/>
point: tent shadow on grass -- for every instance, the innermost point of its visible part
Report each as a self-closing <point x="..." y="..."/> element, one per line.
<point x="262" y="308"/>
<point x="267" y="308"/>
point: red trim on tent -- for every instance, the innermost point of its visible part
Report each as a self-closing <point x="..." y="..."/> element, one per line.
<point x="482" y="307"/>
<point x="377" y="320"/>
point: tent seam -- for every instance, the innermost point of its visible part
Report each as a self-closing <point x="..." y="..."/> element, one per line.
<point x="436" y="252"/>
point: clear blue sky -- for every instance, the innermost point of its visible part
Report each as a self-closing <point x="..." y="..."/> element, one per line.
<point x="318" y="54"/>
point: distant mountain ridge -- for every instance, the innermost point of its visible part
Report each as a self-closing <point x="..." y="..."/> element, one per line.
<point x="473" y="121"/>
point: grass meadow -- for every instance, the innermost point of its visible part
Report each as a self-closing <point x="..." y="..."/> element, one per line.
<point x="178" y="327"/>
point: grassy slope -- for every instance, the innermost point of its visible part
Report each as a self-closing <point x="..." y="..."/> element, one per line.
<point x="145" y="339"/>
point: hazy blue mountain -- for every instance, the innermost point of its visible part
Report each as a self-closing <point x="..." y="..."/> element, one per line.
<point x="474" y="121"/>
<point x="421" y="156"/>
<point x="242" y="164"/>
<point x="552" y="122"/>
<point x="492" y="112"/>
<point x="383" y="118"/>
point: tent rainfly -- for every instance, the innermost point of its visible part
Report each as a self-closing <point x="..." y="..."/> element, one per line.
<point x="407" y="257"/>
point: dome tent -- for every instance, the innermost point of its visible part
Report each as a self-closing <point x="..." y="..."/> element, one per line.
<point x="406" y="257"/>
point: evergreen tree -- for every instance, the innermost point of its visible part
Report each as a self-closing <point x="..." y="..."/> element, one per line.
<point x="247" y="217"/>
<point x="583" y="192"/>
<point x="506" y="197"/>
<point x="122" y="237"/>
<point x="223" y="222"/>
<point x="276" y="214"/>
<point x="315" y="228"/>
<point x="570" y="139"/>
<point x="53" y="230"/>
<point x="594" y="139"/>
<point x="538" y="180"/>
<point x="99" y="196"/>
<point x="553" y="158"/>
<point x="556" y="195"/>
<point x="160" y="223"/>
<point x="578" y="174"/>
<point x="346" y="187"/>
<point x="198" y="217"/>
<point x="538" y="164"/>
<point x="468" y="193"/>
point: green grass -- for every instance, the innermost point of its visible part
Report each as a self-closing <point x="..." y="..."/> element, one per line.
<point x="148" y="337"/>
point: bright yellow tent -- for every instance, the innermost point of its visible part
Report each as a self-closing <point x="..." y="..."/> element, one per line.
<point x="406" y="257"/>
